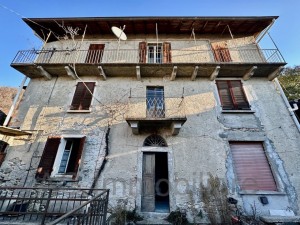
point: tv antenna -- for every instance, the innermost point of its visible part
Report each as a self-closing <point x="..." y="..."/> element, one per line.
<point x="119" y="33"/>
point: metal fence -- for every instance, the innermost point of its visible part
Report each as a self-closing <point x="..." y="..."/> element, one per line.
<point x="52" y="205"/>
<point x="233" y="55"/>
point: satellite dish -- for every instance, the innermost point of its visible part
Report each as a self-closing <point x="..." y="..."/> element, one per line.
<point x="119" y="33"/>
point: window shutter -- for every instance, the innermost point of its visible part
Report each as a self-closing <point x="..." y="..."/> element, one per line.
<point x="95" y="53"/>
<point x="77" y="156"/>
<point x="252" y="167"/>
<point x="221" y="52"/>
<point x="142" y="52"/>
<point x="167" y="52"/>
<point x="46" y="164"/>
<point x="239" y="97"/>
<point x="82" y="97"/>
<point x="225" y="95"/>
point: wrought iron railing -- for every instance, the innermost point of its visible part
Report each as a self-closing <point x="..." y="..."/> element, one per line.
<point x="231" y="55"/>
<point x="156" y="107"/>
<point x="53" y="205"/>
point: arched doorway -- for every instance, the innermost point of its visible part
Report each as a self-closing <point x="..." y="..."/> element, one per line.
<point x="155" y="185"/>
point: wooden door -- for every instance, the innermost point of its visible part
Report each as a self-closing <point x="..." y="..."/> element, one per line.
<point x="95" y="53"/>
<point x="148" y="191"/>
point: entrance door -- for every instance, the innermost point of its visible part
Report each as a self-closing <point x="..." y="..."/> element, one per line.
<point x="155" y="186"/>
<point x="95" y="53"/>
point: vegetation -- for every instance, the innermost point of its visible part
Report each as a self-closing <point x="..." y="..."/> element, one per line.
<point x="290" y="82"/>
<point x="177" y="217"/>
<point x="121" y="215"/>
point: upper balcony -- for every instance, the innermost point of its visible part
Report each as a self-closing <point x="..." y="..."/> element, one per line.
<point x="155" y="62"/>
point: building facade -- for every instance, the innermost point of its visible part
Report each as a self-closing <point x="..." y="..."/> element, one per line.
<point x="155" y="111"/>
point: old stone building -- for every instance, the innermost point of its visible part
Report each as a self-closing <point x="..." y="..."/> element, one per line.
<point x="151" y="108"/>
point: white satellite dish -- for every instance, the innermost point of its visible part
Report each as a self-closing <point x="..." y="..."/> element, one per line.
<point x="119" y="33"/>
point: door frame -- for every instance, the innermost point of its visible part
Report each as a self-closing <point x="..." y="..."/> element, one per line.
<point x="139" y="184"/>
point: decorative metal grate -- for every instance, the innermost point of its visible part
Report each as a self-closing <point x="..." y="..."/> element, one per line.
<point x="155" y="141"/>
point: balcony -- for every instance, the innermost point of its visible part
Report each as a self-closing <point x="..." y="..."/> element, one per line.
<point x="52" y="206"/>
<point x="232" y="62"/>
<point x="152" y="114"/>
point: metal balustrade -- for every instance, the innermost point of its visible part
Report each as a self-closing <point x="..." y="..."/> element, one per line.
<point x="53" y="205"/>
<point x="231" y="55"/>
<point x="156" y="107"/>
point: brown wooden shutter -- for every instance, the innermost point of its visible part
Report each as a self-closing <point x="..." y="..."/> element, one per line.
<point x="232" y="95"/>
<point x="82" y="97"/>
<point x="252" y="167"/>
<point x="224" y="94"/>
<point x="167" y="52"/>
<point x="47" y="160"/>
<point x="75" y="158"/>
<point x="148" y="192"/>
<point x="142" y="52"/>
<point x="95" y="53"/>
<point x="238" y="95"/>
<point x="221" y="52"/>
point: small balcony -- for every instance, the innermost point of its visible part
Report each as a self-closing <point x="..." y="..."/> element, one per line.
<point x="230" y="62"/>
<point x="53" y="206"/>
<point x="152" y="114"/>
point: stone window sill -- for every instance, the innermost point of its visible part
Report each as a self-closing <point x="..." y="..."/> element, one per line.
<point x="262" y="193"/>
<point x="79" y="111"/>
<point x="238" y="111"/>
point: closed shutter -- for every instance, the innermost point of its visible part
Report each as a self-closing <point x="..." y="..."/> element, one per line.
<point x="239" y="97"/>
<point x="82" y="97"/>
<point x="46" y="164"/>
<point x="232" y="95"/>
<point x="221" y="52"/>
<point x="75" y="157"/>
<point x="148" y="192"/>
<point x="167" y="52"/>
<point x="95" y="53"/>
<point x="142" y="52"/>
<point x="225" y="95"/>
<point x="252" y="167"/>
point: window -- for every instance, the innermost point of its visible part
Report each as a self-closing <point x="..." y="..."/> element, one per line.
<point x="252" y="167"/>
<point x="155" y="102"/>
<point x="83" y="96"/>
<point x="221" y="52"/>
<point x="95" y="53"/>
<point x="155" y="52"/>
<point x="232" y="95"/>
<point x="61" y="157"/>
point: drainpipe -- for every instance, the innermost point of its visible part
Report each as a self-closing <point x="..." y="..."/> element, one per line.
<point x="12" y="108"/>
<point x="287" y="104"/>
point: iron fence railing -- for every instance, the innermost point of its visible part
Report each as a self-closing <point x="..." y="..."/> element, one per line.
<point x="231" y="55"/>
<point x="156" y="107"/>
<point x="53" y="205"/>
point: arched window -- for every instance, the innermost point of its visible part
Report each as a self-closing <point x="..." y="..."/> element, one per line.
<point x="155" y="140"/>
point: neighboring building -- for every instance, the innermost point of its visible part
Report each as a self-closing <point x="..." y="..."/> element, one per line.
<point x="152" y="116"/>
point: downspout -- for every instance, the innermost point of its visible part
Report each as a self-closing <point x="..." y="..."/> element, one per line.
<point x="12" y="108"/>
<point x="287" y="104"/>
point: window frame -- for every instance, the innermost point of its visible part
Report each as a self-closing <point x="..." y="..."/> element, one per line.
<point x="54" y="171"/>
<point x="159" y="99"/>
<point x="235" y="106"/>
<point x="81" y="101"/>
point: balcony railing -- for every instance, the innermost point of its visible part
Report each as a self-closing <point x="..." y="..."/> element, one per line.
<point x="52" y="205"/>
<point x="155" y="108"/>
<point x="232" y="55"/>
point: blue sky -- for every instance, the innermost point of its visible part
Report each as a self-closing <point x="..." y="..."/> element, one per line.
<point x="16" y="35"/>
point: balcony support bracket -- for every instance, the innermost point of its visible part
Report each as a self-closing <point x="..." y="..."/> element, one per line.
<point x="70" y="72"/>
<point x="102" y="73"/>
<point x="194" y="75"/>
<point x="134" y="126"/>
<point x="176" y="126"/>
<point x="45" y="73"/>
<point x="249" y="73"/>
<point x="275" y="73"/>
<point x="215" y="73"/>
<point x="174" y="73"/>
<point x="138" y="72"/>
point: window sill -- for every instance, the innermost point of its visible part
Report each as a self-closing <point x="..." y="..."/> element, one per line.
<point x="261" y="193"/>
<point x="238" y="111"/>
<point x="79" y="111"/>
